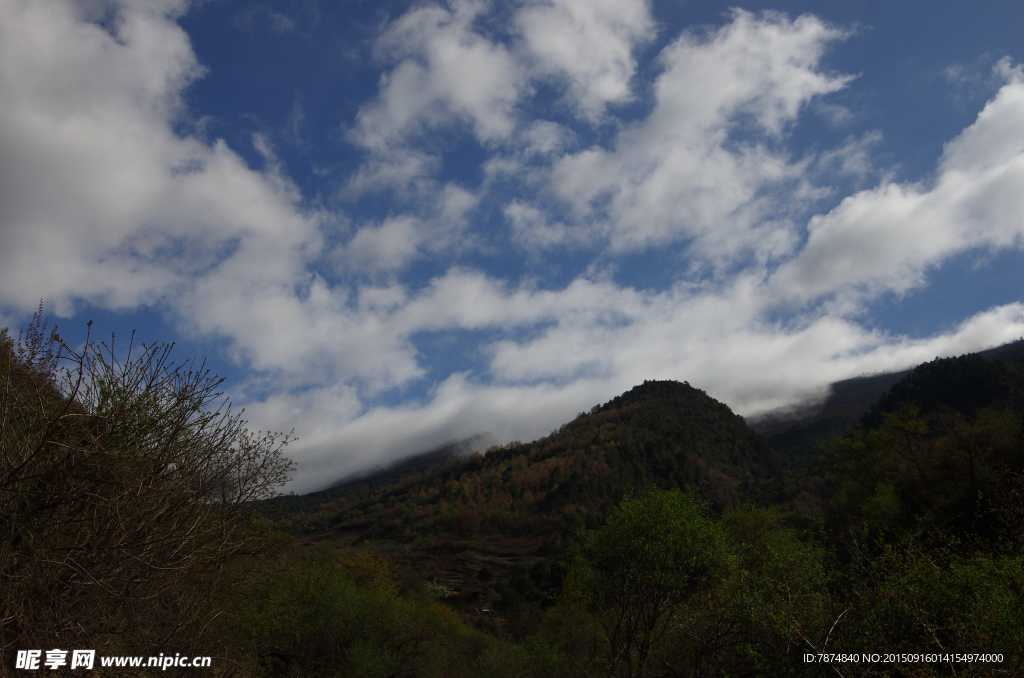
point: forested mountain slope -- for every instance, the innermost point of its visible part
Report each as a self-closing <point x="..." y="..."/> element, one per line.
<point x="939" y="453"/>
<point x="661" y="434"/>
<point x="966" y="383"/>
<point x="911" y="542"/>
<point x="369" y="481"/>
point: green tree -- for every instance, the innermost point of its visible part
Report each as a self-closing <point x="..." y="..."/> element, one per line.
<point x="656" y="555"/>
<point x="907" y="478"/>
<point x="775" y="606"/>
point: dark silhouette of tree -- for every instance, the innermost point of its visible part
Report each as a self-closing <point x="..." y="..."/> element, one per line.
<point x="124" y="485"/>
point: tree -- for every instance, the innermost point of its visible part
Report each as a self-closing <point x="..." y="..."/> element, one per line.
<point x="654" y="557"/>
<point x="905" y="478"/>
<point x="124" y="485"/>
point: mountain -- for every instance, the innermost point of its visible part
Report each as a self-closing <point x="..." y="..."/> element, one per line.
<point x="938" y="456"/>
<point x="514" y="506"/>
<point x="371" y="480"/>
<point x="660" y="434"/>
<point x="965" y="383"/>
<point x="523" y="499"/>
<point x="797" y="436"/>
<point x="846" y="400"/>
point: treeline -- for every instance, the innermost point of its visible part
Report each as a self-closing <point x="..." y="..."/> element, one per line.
<point x="966" y="383"/>
<point x="667" y="588"/>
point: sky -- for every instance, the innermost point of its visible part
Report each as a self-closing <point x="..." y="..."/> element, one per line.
<point x="391" y="225"/>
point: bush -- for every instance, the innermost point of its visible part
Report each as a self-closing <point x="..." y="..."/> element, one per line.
<point x="124" y="484"/>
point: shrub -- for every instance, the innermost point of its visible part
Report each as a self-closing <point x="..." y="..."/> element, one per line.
<point x="124" y="484"/>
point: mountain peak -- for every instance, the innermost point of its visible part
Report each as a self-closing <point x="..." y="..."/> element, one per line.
<point x="655" y="390"/>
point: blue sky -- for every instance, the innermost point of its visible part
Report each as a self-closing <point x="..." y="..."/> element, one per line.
<point x="391" y="225"/>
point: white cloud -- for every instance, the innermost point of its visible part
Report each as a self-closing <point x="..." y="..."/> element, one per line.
<point x="406" y="171"/>
<point x="102" y="202"/>
<point x="588" y="42"/>
<point x="679" y="175"/>
<point x="444" y="71"/>
<point x="852" y="159"/>
<point x="397" y="241"/>
<point x="100" y="199"/>
<point x="543" y="137"/>
<point x="457" y="410"/>
<point x="761" y="67"/>
<point x="889" y="237"/>
<point x="442" y="74"/>
<point x="389" y="246"/>
<point x="533" y="228"/>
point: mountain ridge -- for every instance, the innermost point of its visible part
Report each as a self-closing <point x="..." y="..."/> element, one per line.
<point x="797" y="439"/>
<point x="662" y="434"/>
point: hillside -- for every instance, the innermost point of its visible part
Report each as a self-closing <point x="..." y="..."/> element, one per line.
<point x="965" y="383"/>
<point x="938" y="456"/>
<point x="846" y="401"/>
<point x="661" y="434"/>
<point x="514" y="506"/>
<point x="499" y="522"/>
<point x="368" y="481"/>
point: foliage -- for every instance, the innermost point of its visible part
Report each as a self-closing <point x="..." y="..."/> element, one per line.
<point x="307" y="614"/>
<point x="966" y="384"/>
<point x="124" y="483"/>
<point x="905" y="479"/>
<point x="910" y="598"/>
<point x="663" y="590"/>
<point x="654" y="556"/>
